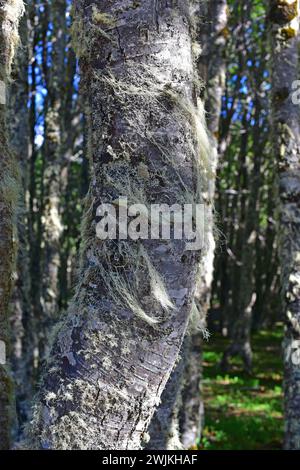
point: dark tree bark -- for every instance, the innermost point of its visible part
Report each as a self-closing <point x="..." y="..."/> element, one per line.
<point x="113" y="353"/>
<point x="22" y="321"/>
<point x="284" y="20"/>
<point x="53" y="161"/>
<point x="10" y="12"/>
<point x="246" y="296"/>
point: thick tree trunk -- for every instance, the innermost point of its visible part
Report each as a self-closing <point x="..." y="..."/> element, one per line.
<point x="114" y="352"/>
<point x="10" y="12"/>
<point x="284" y="18"/>
<point x="181" y="426"/>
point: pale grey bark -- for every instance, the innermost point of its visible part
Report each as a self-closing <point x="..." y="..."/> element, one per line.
<point x="114" y="351"/>
<point x="178" y="422"/>
<point x="284" y="18"/>
<point x="181" y="425"/>
<point x="10" y="12"/>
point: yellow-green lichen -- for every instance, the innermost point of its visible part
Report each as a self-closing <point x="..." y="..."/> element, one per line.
<point x="102" y="18"/>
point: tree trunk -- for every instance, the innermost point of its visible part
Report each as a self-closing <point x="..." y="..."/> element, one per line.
<point x="52" y="177"/>
<point x="10" y="12"/>
<point x="284" y="18"/>
<point x="181" y="426"/>
<point x="113" y="353"/>
<point x="178" y="421"/>
<point x="192" y="409"/>
<point x="164" y="431"/>
<point x="212" y="69"/>
<point x="246" y="296"/>
<point x="22" y="322"/>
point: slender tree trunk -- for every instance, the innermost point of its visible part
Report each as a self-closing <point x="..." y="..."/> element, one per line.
<point x="284" y="19"/>
<point x="38" y="25"/>
<point x="246" y="295"/>
<point x="113" y="353"/>
<point x="22" y="322"/>
<point x="212" y="68"/>
<point x="164" y="432"/>
<point x="52" y="177"/>
<point x="10" y="12"/>
<point x="192" y="408"/>
<point x="71" y="180"/>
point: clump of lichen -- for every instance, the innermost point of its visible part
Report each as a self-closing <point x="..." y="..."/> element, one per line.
<point x="127" y="172"/>
<point x="283" y="11"/>
<point x="102" y="18"/>
<point x="155" y="95"/>
<point x="291" y="30"/>
<point x="10" y="13"/>
<point x="85" y="35"/>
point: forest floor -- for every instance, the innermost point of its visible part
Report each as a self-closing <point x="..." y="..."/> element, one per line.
<point x="244" y="412"/>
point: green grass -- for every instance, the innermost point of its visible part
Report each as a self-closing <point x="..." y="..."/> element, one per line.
<point x="244" y="412"/>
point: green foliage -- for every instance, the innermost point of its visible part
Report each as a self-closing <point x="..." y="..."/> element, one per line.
<point x="244" y="412"/>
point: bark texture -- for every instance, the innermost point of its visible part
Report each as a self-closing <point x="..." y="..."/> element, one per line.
<point x="53" y="156"/>
<point x="284" y="18"/>
<point x="212" y="35"/>
<point x="21" y="317"/>
<point x="164" y="432"/>
<point x="10" y="12"/>
<point x="178" y="422"/>
<point x="113" y="353"/>
<point x="181" y="425"/>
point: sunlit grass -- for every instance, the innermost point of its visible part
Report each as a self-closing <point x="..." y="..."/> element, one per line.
<point x="242" y="411"/>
